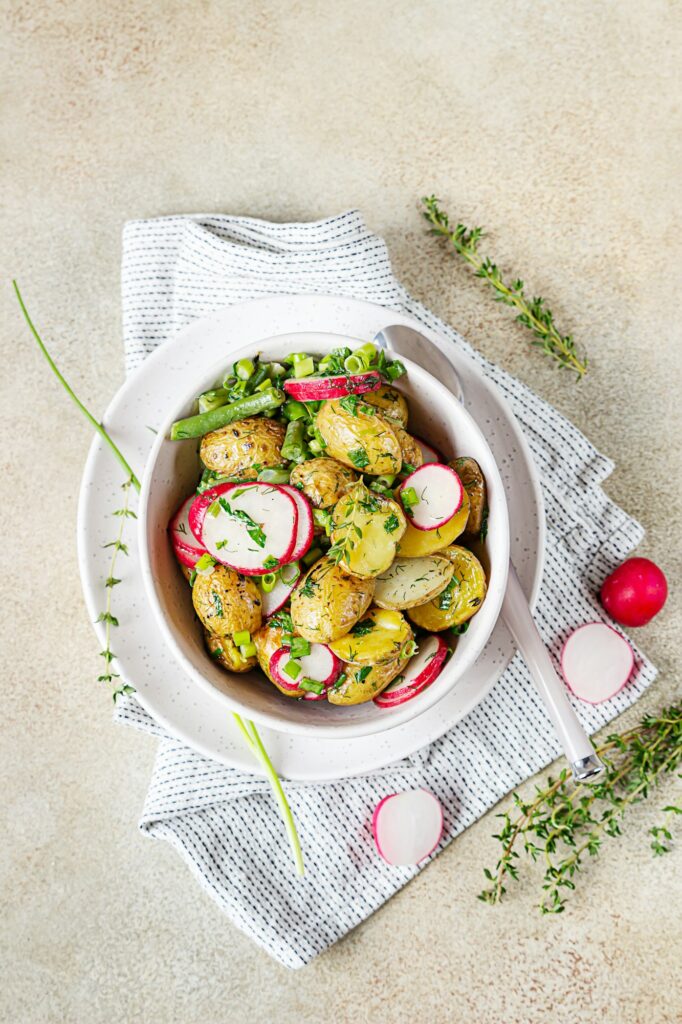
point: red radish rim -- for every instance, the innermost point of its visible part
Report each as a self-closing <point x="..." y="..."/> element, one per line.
<point x="334" y="386"/>
<point x="622" y="686"/>
<point x="429" y="447"/>
<point x="292" y="684"/>
<point x="305" y="524"/>
<point x="186" y="556"/>
<point x="199" y="507"/>
<point x="188" y="541"/>
<point x="428" y="675"/>
<point x="375" y="820"/>
<point x="430" y="466"/>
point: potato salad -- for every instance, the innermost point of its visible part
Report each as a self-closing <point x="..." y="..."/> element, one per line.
<point x="325" y="543"/>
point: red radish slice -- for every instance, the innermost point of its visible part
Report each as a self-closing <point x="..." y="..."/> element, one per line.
<point x="420" y="672"/>
<point x="440" y="493"/>
<point x="274" y="599"/>
<point x="305" y="526"/>
<point x="321" y="664"/>
<point x="596" y="662"/>
<point x="231" y="536"/>
<point x="407" y="826"/>
<point x="187" y="548"/>
<point x="429" y="454"/>
<point x="314" y="389"/>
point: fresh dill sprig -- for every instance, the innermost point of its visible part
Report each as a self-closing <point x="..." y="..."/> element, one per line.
<point x="532" y="313"/>
<point x="567" y="822"/>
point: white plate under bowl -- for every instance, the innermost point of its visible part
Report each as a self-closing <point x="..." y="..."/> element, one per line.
<point x="163" y="688"/>
<point x="171" y="474"/>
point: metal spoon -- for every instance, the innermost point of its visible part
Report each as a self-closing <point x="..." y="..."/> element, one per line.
<point x="516" y="613"/>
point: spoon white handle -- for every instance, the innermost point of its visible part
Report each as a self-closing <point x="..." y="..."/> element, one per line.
<point x="576" y="743"/>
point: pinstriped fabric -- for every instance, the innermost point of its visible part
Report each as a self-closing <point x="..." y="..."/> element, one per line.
<point x="223" y="822"/>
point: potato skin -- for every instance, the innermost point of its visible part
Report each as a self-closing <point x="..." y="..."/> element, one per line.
<point x="415" y="543"/>
<point x="224" y="652"/>
<point x="469" y="472"/>
<point x="323" y="480"/>
<point x="409" y="449"/>
<point x="465" y="600"/>
<point x="329" y="602"/>
<point x="225" y="602"/>
<point x="235" y="449"/>
<point x="367" y="435"/>
<point x="390" y="402"/>
<point x="354" y="691"/>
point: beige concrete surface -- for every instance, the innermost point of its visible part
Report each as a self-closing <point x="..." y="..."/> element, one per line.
<point x="557" y="126"/>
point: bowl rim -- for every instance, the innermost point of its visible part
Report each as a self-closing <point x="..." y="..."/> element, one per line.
<point x="404" y="713"/>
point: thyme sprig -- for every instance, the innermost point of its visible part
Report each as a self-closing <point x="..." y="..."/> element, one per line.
<point x="107" y="617"/>
<point x="565" y="823"/>
<point x="532" y="313"/>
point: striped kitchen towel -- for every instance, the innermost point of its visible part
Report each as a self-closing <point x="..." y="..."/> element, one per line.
<point x="224" y="822"/>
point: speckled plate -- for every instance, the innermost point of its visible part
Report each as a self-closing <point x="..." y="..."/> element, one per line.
<point x="162" y="687"/>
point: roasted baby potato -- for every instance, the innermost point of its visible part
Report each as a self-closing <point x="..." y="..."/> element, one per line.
<point x="364" y="682"/>
<point x="415" y="543"/>
<point x="323" y="480"/>
<point x="389" y="402"/>
<point x="366" y="530"/>
<point x="469" y="472"/>
<point x="237" y="449"/>
<point x="377" y="638"/>
<point x="409" y="449"/>
<point x="226" y="653"/>
<point x="225" y="602"/>
<point x="329" y="602"/>
<point x="359" y="439"/>
<point x="462" y="597"/>
<point x="412" y="581"/>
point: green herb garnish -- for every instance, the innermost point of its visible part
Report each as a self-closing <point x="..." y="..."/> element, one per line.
<point x="359" y="458"/>
<point x="392" y="523"/>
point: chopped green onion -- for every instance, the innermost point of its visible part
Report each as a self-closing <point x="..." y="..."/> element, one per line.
<point x="304" y="367"/>
<point x="274" y="475"/>
<point x="242" y="637"/>
<point x="312" y="556"/>
<point x="312" y="686"/>
<point x="288" y="577"/>
<point x="275" y="369"/>
<point x="298" y="357"/>
<point x="213" y="399"/>
<point x="292" y="669"/>
<point x="299" y="647"/>
<point x="264" y="385"/>
<point x="353" y="364"/>
<point x="366" y="352"/>
<point x="409" y="498"/>
<point x="395" y="370"/>
<point x="247" y="650"/>
<point x="204" y="563"/>
<point x="385" y="480"/>
<point x="268" y="582"/>
<point x="244" y="369"/>
<point x="214" y="509"/>
<point x="315" y="447"/>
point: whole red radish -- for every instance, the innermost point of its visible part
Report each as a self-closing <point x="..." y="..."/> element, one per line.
<point x="634" y="592"/>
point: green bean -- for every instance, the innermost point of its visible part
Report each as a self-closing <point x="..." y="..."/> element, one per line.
<point x="204" y="423"/>
<point x="294" y="447"/>
<point x="274" y="475"/>
<point x="294" y="410"/>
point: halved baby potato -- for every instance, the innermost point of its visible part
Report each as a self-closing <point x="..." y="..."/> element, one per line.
<point x="460" y="600"/>
<point x="377" y="638"/>
<point x="412" y="581"/>
<point x="235" y="450"/>
<point x="322" y="480"/>
<point x="227" y="603"/>
<point x="329" y="602"/>
<point x="390" y="402"/>
<point x="358" y="439"/>
<point x="469" y="472"/>
<point x="417" y="543"/>
<point x="409" y="449"/>
<point x="225" y="652"/>
<point x="366" y="529"/>
<point x="364" y="682"/>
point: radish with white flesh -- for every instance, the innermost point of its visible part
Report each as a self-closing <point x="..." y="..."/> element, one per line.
<point x="250" y="527"/>
<point x="439" y="494"/>
<point x="407" y="827"/>
<point x="429" y="454"/>
<point x="315" y="389"/>
<point x="305" y="525"/>
<point x="187" y="548"/>
<point x="287" y="579"/>
<point x="420" y="672"/>
<point x="596" y="662"/>
<point x="321" y="665"/>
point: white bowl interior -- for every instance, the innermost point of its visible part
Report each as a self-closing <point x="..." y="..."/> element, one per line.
<point x="172" y="473"/>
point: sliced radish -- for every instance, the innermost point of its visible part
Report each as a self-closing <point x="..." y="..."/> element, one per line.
<point x="187" y="548"/>
<point x="272" y="600"/>
<point x="420" y="672"/>
<point x="407" y="826"/>
<point x="305" y="526"/>
<point x="321" y="664"/>
<point x="440" y="495"/>
<point x="596" y="662"/>
<point x="314" y="389"/>
<point x="232" y="535"/>
<point x="429" y="454"/>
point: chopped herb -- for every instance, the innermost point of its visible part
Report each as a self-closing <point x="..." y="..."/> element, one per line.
<point x="340" y="681"/>
<point x="308" y="588"/>
<point x="192" y="577"/>
<point x="362" y="628"/>
<point x="395" y="370"/>
<point x="281" y="620"/>
<point x="311" y="685"/>
<point x="392" y="523"/>
<point x="255" y="532"/>
<point x="484" y="525"/>
<point x="362" y="674"/>
<point x="299" y="647"/>
<point x="271" y="562"/>
<point x="458" y="630"/>
<point x="216" y="653"/>
<point x="444" y="599"/>
<point x="359" y="458"/>
<point x="408" y="467"/>
<point x="350" y="404"/>
<point x="218" y="603"/>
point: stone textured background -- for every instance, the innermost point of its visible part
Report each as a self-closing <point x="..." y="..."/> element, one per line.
<point x="557" y="126"/>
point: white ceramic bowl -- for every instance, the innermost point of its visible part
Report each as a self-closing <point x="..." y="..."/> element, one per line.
<point x="171" y="473"/>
